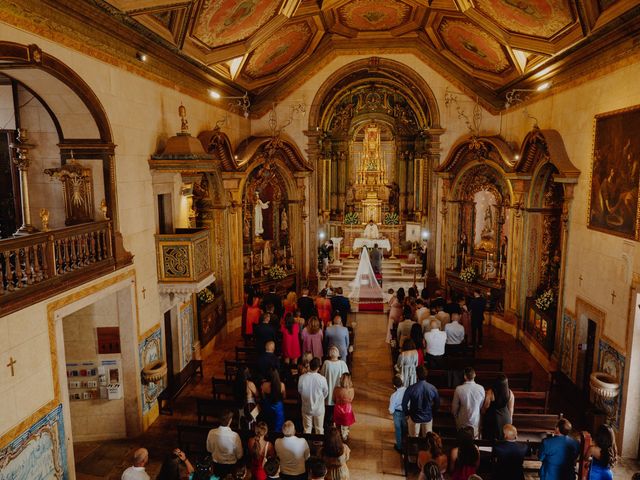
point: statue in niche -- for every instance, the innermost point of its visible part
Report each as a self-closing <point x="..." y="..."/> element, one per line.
<point x="246" y="228"/>
<point x="257" y="215"/>
<point x="77" y="187"/>
<point x="394" y="196"/>
<point x="284" y="222"/>
<point x="267" y="255"/>
<point x="487" y="228"/>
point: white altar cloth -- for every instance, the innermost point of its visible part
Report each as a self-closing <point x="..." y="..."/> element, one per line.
<point x="368" y="242"/>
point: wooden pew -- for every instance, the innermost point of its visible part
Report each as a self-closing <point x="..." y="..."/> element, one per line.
<point x="247" y="354"/>
<point x="525" y="402"/>
<point x="221" y="389"/>
<point x="460" y="363"/>
<point x="175" y="387"/>
<point x="231" y="368"/>
<point x="452" y="378"/>
<point x="531" y="426"/>
<point x="192" y="439"/>
<point x="208" y="411"/>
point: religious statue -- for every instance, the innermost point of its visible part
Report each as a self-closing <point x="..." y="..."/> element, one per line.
<point x="350" y="194"/>
<point x="246" y="229"/>
<point x="267" y="255"/>
<point x="371" y="231"/>
<point x="284" y="222"/>
<point x="394" y="195"/>
<point x="257" y="215"/>
<point x="487" y="234"/>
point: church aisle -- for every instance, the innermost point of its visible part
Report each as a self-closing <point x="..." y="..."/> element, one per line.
<point x="371" y="438"/>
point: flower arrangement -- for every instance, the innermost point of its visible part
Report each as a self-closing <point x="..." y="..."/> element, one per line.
<point x="468" y="274"/>
<point x="276" y="273"/>
<point x="545" y="300"/>
<point x="205" y="295"/>
<point x="391" y="218"/>
<point x="351" y="218"/>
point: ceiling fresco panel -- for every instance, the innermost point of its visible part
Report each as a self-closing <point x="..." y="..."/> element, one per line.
<point x="374" y="15"/>
<point x="539" y="18"/>
<point x="473" y="46"/>
<point x="222" y="22"/>
<point x="279" y="50"/>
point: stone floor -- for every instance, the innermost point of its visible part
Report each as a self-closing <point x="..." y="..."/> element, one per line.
<point x="371" y="438"/>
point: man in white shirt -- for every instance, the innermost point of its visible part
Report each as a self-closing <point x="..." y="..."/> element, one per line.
<point x="403" y="332"/>
<point x="436" y="340"/>
<point x="422" y="312"/>
<point x="395" y="409"/>
<point x="225" y="446"/>
<point x="292" y="452"/>
<point x="371" y="231"/>
<point x="426" y="323"/>
<point x="467" y="401"/>
<point x="137" y="472"/>
<point x="454" y="330"/>
<point x="313" y="389"/>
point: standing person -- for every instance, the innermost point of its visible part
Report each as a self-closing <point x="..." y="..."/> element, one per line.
<point x="423" y="257"/>
<point x="603" y="453"/>
<point x="395" y="409"/>
<point x="273" y="393"/>
<point x="292" y="452"/>
<point x="403" y="330"/>
<point x="343" y="395"/>
<point x="272" y="468"/>
<point x="340" y="303"/>
<point x="332" y="370"/>
<point x="468" y="398"/>
<point x="455" y="332"/>
<point x="335" y="455"/>
<point x="224" y="445"/>
<point x="267" y="360"/>
<point x="407" y="363"/>
<point x="176" y="467"/>
<point x="245" y="395"/>
<point x="465" y="456"/>
<point x="395" y="311"/>
<point x="290" y="303"/>
<point x="436" y="340"/>
<point x="508" y="456"/>
<point x="497" y="409"/>
<point x="253" y="312"/>
<point x="290" y="340"/>
<point x="260" y="449"/>
<point x="312" y="338"/>
<point x="317" y="469"/>
<point x="338" y="336"/>
<point x="313" y="390"/>
<point x="306" y="305"/>
<point x="272" y="298"/>
<point x="418" y="339"/>
<point x="137" y="471"/>
<point x="323" y="305"/>
<point x="419" y="403"/>
<point x="375" y="257"/>
<point x="477" y="306"/>
<point x="559" y="453"/>
<point x="264" y="332"/>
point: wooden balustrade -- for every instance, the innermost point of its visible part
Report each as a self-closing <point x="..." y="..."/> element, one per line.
<point x="36" y="262"/>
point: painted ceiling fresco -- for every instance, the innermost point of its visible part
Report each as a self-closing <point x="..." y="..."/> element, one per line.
<point x="373" y="15"/>
<point x="539" y="18"/>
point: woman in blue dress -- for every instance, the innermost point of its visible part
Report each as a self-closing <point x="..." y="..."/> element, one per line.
<point x="604" y="454"/>
<point x="273" y="393"/>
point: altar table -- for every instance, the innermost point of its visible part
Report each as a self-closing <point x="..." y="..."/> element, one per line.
<point x="369" y="242"/>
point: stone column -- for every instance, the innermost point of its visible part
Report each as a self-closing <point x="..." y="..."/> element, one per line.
<point x="515" y="294"/>
<point x="430" y="202"/>
<point x="312" y="208"/>
<point x="22" y="161"/>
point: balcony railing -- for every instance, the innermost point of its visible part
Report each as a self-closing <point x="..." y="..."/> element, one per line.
<point x="184" y="256"/>
<point x="35" y="266"/>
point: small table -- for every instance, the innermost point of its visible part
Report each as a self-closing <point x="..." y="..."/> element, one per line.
<point x="369" y="243"/>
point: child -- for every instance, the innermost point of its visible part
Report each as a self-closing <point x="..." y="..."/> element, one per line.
<point x="395" y="409"/>
<point x="343" y="397"/>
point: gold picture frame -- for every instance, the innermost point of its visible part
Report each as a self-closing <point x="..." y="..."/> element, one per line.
<point x="614" y="205"/>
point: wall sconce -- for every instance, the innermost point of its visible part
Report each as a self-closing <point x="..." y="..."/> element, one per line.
<point x="518" y="95"/>
<point x="243" y="102"/>
<point x="141" y="56"/>
<point x="425" y="234"/>
<point x="321" y="235"/>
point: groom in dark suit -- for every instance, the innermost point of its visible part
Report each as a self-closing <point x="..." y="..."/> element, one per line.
<point x="375" y="255"/>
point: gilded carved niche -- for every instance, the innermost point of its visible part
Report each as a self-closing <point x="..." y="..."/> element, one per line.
<point x="77" y="187"/>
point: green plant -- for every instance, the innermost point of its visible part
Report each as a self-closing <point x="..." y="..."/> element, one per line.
<point x="391" y="218"/>
<point x="351" y="218"/>
<point x="468" y="274"/>
<point x="206" y="296"/>
<point x="276" y="273"/>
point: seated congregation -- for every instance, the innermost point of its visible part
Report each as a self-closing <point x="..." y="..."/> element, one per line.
<point x="283" y="408"/>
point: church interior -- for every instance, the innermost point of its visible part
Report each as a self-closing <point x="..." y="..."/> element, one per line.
<point x="163" y="160"/>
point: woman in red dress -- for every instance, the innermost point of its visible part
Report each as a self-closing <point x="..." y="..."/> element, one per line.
<point x="343" y="415"/>
<point x="259" y="450"/>
<point x="290" y="339"/>
<point x="323" y="305"/>
<point x="253" y="312"/>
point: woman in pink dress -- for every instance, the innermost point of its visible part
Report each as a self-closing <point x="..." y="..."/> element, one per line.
<point x="312" y="338"/>
<point x="396" y="303"/>
<point x="343" y="415"/>
<point x="253" y="312"/>
<point x="323" y="305"/>
<point x="290" y="340"/>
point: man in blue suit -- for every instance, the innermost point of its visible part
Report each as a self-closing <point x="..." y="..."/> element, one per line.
<point x="340" y="303"/>
<point x="559" y="454"/>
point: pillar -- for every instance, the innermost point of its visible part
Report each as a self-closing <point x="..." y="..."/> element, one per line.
<point x="231" y="183"/>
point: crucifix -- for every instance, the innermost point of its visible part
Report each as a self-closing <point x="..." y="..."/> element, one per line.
<point x="580" y="278"/>
<point x="144" y="292"/>
<point x="11" y="363"/>
<point x="613" y="296"/>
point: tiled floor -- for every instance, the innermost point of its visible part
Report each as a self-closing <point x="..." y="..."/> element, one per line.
<point x="371" y="438"/>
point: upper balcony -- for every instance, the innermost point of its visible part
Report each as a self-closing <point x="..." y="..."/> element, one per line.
<point x="37" y="266"/>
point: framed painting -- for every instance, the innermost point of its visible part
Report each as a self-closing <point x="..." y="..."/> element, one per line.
<point x="615" y="173"/>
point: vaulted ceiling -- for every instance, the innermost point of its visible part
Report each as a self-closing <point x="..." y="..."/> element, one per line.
<point x="487" y="47"/>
